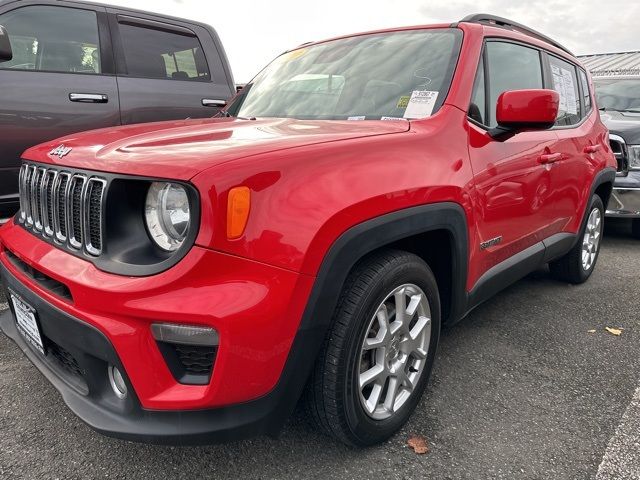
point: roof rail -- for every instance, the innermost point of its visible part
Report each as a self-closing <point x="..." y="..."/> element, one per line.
<point x="496" y="21"/>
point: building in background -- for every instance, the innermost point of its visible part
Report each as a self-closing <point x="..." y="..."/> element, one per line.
<point x="612" y="64"/>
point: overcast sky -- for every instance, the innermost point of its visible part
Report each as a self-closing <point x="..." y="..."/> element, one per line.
<point x="256" y="31"/>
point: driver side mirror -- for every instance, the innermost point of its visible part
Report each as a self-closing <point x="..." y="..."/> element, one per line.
<point x="526" y="110"/>
<point x="6" y="53"/>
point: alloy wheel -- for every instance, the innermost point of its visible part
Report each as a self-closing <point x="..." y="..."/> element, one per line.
<point x="394" y="351"/>
<point x="591" y="239"/>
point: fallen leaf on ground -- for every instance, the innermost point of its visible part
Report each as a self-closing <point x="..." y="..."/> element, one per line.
<point x="591" y="331"/>
<point x="419" y="444"/>
<point x="614" y="331"/>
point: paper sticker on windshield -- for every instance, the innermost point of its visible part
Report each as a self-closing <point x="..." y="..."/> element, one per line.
<point x="356" y="118"/>
<point x="421" y="104"/>
<point x="403" y="102"/>
<point x="391" y="118"/>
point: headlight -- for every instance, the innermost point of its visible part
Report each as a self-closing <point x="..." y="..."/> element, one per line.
<point x="634" y="157"/>
<point x="168" y="215"/>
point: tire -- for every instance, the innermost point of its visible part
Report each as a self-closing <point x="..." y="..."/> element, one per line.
<point x="576" y="266"/>
<point x="635" y="228"/>
<point x="334" y="399"/>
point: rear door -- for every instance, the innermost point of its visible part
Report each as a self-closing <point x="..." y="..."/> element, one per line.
<point x="60" y="81"/>
<point x="579" y="142"/>
<point x="168" y="70"/>
<point x="513" y="187"/>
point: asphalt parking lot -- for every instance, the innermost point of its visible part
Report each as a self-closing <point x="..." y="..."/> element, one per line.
<point x="520" y="390"/>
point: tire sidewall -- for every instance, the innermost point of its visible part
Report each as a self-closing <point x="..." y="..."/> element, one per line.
<point x="367" y="430"/>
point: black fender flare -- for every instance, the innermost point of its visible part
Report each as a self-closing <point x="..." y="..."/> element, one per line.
<point x="345" y="252"/>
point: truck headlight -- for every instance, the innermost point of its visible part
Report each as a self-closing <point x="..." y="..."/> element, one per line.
<point x="168" y="215"/>
<point x="634" y="157"/>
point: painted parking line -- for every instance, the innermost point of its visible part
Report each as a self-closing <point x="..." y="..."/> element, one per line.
<point x="621" y="461"/>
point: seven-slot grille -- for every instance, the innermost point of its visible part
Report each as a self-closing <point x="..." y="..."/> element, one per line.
<point x="63" y="206"/>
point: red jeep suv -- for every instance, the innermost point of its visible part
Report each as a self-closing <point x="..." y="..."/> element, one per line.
<point x="188" y="281"/>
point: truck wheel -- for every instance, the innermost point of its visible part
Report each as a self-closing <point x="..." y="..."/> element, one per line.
<point x="377" y="358"/>
<point x="577" y="265"/>
<point x="635" y="228"/>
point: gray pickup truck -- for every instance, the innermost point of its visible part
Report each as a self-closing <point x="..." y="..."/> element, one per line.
<point x="68" y="66"/>
<point x="619" y="102"/>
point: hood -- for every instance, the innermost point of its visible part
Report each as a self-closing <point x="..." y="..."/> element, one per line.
<point x="181" y="149"/>
<point x="627" y="125"/>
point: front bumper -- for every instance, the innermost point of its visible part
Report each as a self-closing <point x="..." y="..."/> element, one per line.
<point x="104" y="319"/>
<point x="625" y="198"/>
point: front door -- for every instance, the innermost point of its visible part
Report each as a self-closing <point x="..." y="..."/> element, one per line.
<point x="513" y="181"/>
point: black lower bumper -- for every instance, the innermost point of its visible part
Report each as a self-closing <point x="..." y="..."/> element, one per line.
<point x="83" y="383"/>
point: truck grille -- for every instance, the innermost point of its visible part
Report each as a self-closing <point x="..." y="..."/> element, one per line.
<point x="65" y="207"/>
<point x="619" y="148"/>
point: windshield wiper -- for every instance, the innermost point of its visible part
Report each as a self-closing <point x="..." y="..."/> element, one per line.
<point x="631" y="110"/>
<point x="225" y="114"/>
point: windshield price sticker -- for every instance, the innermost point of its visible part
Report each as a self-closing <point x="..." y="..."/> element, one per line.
<point x="356" y="118"/>
<point x="421" y="104"/>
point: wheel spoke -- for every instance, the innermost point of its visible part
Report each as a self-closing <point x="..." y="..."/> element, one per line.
<point x="375" y="373"/>
<point x="392" y="392"/>
<point x="374" y="397"/>
<point x="401" y="306"/>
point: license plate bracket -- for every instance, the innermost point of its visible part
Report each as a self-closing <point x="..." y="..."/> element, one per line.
<point x="27" y="322"/>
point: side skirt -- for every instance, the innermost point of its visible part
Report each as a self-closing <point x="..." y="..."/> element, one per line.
<point x="518" y="266"/>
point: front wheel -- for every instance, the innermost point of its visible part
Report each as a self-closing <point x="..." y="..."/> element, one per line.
<point x="578" y="265"/>
<point x="377" y="358"/>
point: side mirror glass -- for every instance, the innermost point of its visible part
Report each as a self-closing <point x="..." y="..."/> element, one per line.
<point x="527" y="109"/>
<point x="6" y="53"/>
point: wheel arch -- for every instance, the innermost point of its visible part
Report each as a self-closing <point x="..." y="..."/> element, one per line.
<point x="408" y="228"/>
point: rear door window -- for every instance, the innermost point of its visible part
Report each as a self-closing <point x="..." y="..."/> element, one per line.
<point x="511" y="66"/>
<point x="565" y="81"/>
<point x="53" y="39"/>
<point x="160" y="54"/>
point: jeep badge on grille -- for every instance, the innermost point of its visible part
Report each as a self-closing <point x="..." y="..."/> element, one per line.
<point x="60" y="151"/>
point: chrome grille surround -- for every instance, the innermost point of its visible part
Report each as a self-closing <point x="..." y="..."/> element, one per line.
<point x="62" y="206"/>
<point x="619" y="148"/>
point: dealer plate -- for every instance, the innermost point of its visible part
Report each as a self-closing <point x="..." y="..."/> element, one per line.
<point x="26" y="322"/>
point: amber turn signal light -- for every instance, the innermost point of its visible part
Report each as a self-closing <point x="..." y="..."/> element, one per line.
<point x="238" y="206"/>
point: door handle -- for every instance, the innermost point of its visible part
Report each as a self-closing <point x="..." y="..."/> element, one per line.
<point x="549" y="158"/>
<point x="591" y="148"/>
<point x="88" y="97"/>
<point x="212" y="102"/>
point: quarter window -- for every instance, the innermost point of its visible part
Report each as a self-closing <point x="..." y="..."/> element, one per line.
<point x="586" y="93"/>
<point x="151" y="53"/>
<point x="53" y="39"/>
<point x="510" y="67"/>
<point x="478" y="107"/>
<point x="565" y="82"/>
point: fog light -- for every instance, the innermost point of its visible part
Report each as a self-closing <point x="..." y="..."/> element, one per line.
<point x="117" y="382"/>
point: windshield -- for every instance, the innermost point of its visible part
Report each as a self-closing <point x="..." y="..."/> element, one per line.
<point x="374" y="77"/>
<point x="619" y="94"/>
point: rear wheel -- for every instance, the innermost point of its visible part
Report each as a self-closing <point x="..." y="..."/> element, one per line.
<point x="377" y="358"/>
<point x="635" y="228"/>
<point x="577" y="265"/>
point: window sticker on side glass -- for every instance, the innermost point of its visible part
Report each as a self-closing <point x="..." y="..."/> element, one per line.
<point x="563" y="84"/>
<point x="421" y="104"/>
